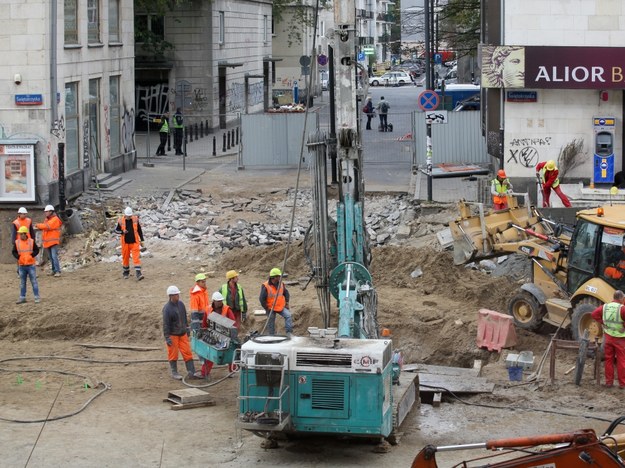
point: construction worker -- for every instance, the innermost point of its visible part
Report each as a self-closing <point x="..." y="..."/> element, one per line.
<point x="175" y="331"/>
<point x="198" y="303"/>
<point x="217" y="305"/>
<point x="21" y="220"/>
<point x="51" y="229"/>
<point x="25" y="250"/>
<point x="616" y="262"/>
<point x="129" y="228"/>
<point x="274" y="298"/>
<point x="612" y="318"/>
<point x="235" y="297"/>
<point x="177" y="124"/>
<point x="547" y="174"/>
<point x="163" y="132"/>
<point x="499" y="187"/>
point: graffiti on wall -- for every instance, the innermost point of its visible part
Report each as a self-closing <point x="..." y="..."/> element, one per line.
<point x="128" y="130"/>
<point x="53" y="161"/>
<point x="151" y="100"/>
<point x="525" y="151"/>
<point x="257" y="93"/>
<point x="107" y="131"/>
<point x="235" y="97"/>
<point x="200" y="99"/>
<point x="539" y="141"/>
<point x="58" y="127"/>
<point x="85" y="144"/>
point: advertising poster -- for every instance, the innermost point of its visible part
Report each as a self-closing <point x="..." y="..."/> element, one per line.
<point x="18" y="180"/>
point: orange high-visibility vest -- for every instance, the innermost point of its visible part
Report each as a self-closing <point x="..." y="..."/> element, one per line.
<point x="199" y="299"/>
<point x="19" y="222"/>
<point x="135" y="227"/>
<point x="51" y="228"/>
<point x="25" y="252"/>
<point x="275" y="296"/>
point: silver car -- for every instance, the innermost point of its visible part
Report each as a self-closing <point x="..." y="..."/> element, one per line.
<point x="392" y="78"/>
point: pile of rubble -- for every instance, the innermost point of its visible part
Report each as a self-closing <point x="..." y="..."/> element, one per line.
<point x="193" y="217"/>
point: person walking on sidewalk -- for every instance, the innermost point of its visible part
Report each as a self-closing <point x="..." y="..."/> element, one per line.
<point x="235" y="297"/>
<point x="25" y="250"/>
<point x="129" y="228"/>
<point x="177" y="124"/>
<point x="175" y="331"/>
<point x="612" y="317"/>
<point x="547" y="174"/>
<point x="383" y="108"/>
<point x="163" y="132"/>
<point x="274" y="298"/>
<point x="369" y="112"/>
<point x="217" y="305"/>
<point x="21" y="220"/>
<point x="51" y="237"/>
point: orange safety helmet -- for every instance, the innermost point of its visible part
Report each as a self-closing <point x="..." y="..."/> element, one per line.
<point x="501" y="173"/>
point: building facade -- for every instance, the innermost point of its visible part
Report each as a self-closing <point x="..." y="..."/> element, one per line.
<point x="552" y="75"/>
<point x="67" y="94"/>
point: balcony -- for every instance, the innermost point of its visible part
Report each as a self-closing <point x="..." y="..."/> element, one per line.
<point x="364" y="14"/>
<point x="384" y="38"/>
<point x="365" y="40"/>
<point x="386" y="17"/>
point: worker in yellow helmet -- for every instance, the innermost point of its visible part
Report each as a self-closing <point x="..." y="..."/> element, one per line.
<point x="25" y="250"/>
<point x="274" y="297"/>
<point x="234" y="297"/>
<point x="547" y="174"/>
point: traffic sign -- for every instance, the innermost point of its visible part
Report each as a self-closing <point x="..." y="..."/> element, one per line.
<point x="304" y="60"/>
<point x="438" y="58"/>
<point x="322" y="60"/>
<point x="428" y="100"/>
<point x="361" y="56"/>
<point x="436" y="117"/>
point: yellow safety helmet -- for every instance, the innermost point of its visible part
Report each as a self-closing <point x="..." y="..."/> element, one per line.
<point x="231" y="274"/>
<point x="200" y="277"/>
<point x="551" y="165"/>
<point x="23" y="230"/>
<point x="275" y="272"/>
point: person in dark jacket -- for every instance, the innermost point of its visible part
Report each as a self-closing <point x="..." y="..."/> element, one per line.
<point x="176" y="333"/>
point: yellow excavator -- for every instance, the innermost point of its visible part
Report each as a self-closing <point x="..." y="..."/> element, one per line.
<point x="574" y="268"/>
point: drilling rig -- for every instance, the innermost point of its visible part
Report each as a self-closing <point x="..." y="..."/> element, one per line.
<point x="346" y="379"/>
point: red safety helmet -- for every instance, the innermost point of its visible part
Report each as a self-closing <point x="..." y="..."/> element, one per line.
<point x="501" y="173"/>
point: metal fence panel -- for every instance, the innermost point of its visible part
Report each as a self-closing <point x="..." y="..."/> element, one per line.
<point x="274" y="139"/>
<point x="396" y="146"/>
<point x="458" y="141"/>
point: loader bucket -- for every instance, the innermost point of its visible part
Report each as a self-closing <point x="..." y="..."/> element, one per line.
<point x="463" y="251"/>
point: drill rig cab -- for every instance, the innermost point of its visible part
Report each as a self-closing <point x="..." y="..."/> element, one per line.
<point x="574" y="269"/>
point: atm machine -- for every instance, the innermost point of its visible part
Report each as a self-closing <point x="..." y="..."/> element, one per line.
<point x="603" y="163"/>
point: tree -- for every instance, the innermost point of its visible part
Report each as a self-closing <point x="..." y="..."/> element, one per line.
<point x="459" y="26"/>
<point x="295" y="16"/>
<point x="153" y="43"/>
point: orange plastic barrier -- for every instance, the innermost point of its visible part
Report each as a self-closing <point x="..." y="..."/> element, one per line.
<point x="495" y="330"/>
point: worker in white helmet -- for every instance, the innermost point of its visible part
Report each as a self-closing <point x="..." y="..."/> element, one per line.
<point x="129" y="228"/>
<point x="51" y="237"/>
<point x="176" y="333"/>
<point x="217" y="306"/>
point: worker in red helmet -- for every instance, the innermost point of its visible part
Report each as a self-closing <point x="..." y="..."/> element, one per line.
<point x="499" y="188"/>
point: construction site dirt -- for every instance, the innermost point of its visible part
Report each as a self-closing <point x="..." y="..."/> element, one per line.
<point x="46" y="371"/>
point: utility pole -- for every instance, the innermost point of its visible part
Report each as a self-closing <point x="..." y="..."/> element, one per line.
<point x="428" y="85"/>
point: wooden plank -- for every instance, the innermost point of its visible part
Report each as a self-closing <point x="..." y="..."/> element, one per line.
<point x="188" y="395"/>
<point x="442" y="370"/>
<point x="193" y="405"/>
<point x="436" y="401"/>
<point x="453" y="383"/>
<point x="132" y="348"/>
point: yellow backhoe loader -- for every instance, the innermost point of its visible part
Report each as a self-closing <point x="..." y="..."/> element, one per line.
<point x="574" y="269"/>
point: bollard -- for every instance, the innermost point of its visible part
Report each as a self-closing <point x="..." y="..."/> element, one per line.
<point x="228" y="139"/>
<point x="224" y="147"/>
<point x="201" y="129"/>
<point x="197" y="133"/>
<point x="237" y="135"/>
<point x="186" y="136"/>
<point x="207" y="126"/>
<point x="214" y="145"/>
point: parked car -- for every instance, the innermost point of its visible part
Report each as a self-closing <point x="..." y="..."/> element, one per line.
<point x="393" y="78"/>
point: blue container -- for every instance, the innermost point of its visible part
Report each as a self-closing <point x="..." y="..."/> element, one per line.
<point x="515" y="373"/>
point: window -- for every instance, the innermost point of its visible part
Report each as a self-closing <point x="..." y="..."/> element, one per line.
<point x="93" y="21"/>
<point x="114" y="21"/>
<point x="114" y="117"/>
<point x="149" y="25"/>
<point x="94" y="121"/>
<point x="222" y="26"/>
<point x="71" y="128"/>
<point x="265" y="29"/>
<point x="322" y="28"/>
<point x="71" y="21"/>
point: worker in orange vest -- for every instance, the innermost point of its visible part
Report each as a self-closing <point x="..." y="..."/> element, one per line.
<point x="274" y="297"/>
<point x="21" y="220"/>
<point x="129" y="228"/>
<point x="25" y="250"/>
<point x="217" y="306"/>
<point x="499" y="188"/>
<point x="51" y="229"/>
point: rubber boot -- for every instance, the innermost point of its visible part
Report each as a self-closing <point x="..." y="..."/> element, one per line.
<point x="126" y="272"/>
<point x="138" y="273"/>
<point x="174" y="370"/>
<point x="191" y="374"/>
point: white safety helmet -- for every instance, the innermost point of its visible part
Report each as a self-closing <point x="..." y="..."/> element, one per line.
<point x="171" y="290"/>
<point x="217" y="296"/>
<point x="22" y="210"/>
<point x="48" y="208"/>
<point x="128" y="211"/>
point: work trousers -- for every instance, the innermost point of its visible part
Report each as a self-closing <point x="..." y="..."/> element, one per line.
<point x="53" y="253"/>
<point x="288" y="321"/>
<point x="135" y="251"/>
<point x="179" y="344"/>
<point x="28" y="271"/>
<point x="547" y="194"/>
<point x="614" y="348"/>
<point x="178" y="141"/>
<point x="160" y="151"/>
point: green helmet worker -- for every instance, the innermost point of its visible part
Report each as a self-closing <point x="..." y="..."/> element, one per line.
<point x="234" y="297"/>
<point x="274" y="298"/>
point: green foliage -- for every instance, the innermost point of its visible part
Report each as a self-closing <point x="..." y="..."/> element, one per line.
<point x="459" y="26"/>
<point x="153" y="44"/>
<point x="294" y="16"/>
